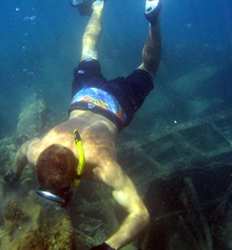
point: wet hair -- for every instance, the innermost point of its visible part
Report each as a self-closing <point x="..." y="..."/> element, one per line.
<point x="56" y="169"/>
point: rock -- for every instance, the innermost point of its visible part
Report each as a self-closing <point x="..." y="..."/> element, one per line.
<point x="7" y="154"/>
<point x="31" y="120"/>
<point x="29" y="226"/>
<point x="198" y="76"/>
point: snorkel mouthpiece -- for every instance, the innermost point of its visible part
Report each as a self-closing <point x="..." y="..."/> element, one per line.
<point x="51" y="197"/>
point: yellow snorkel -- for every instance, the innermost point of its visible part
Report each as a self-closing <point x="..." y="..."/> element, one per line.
<point x="81" y="154"/>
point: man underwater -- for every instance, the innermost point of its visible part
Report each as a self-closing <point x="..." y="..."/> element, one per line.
<point x="84" y="146"/>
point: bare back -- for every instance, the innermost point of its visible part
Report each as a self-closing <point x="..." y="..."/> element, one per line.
<point x="97" y="132"/>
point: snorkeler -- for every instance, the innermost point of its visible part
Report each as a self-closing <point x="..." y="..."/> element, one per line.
<point x="84" y="146"/>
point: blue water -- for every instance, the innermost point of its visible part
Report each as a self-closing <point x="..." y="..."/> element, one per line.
<point x="40" y="46"/>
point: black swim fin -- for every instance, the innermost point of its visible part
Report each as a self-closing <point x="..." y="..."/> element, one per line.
<point x="84" y="6"/>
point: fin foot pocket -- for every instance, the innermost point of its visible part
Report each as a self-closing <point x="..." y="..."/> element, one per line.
<point x="84" y="6"/>
<point x="152" y="9"/>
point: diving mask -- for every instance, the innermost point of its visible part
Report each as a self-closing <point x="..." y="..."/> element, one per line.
<point x="51" y="197"/>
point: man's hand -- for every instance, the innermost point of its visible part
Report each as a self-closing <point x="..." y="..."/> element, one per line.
<point x="10" y="177"/>
<point x="103" y="246"/>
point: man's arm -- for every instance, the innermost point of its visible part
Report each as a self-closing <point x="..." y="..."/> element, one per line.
<point x="124" y="192"/>
<point x="21" y="161"/>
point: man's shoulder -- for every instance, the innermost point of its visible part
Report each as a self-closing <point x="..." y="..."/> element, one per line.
<point x="31" y="149"/>
<point x="26" y="145"/>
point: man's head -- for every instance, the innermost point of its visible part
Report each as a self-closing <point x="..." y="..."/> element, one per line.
<point x="56" y="170"/>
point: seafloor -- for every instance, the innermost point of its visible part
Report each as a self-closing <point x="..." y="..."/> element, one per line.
<point x="183" y="171"/>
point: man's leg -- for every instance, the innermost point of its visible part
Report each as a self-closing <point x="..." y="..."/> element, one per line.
<point x="152" y="49"/>
<point x="92" y="32"/>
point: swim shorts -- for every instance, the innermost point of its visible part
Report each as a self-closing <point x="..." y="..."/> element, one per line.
<point x="116" y="99"/>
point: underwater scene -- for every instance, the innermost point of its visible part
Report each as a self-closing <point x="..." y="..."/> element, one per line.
<point x="177" y="150"/>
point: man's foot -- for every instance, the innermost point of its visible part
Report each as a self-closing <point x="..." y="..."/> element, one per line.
<point x="152" y="8"/>
<point x="85" y="7"/>
<point x="98" y="5"/>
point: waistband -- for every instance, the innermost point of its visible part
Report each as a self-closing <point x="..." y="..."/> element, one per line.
<point x="97" y="110"/>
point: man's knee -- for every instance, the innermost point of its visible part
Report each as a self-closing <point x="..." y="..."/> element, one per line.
<point x="151" y="58"/>
<point x="89" y="55"/>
